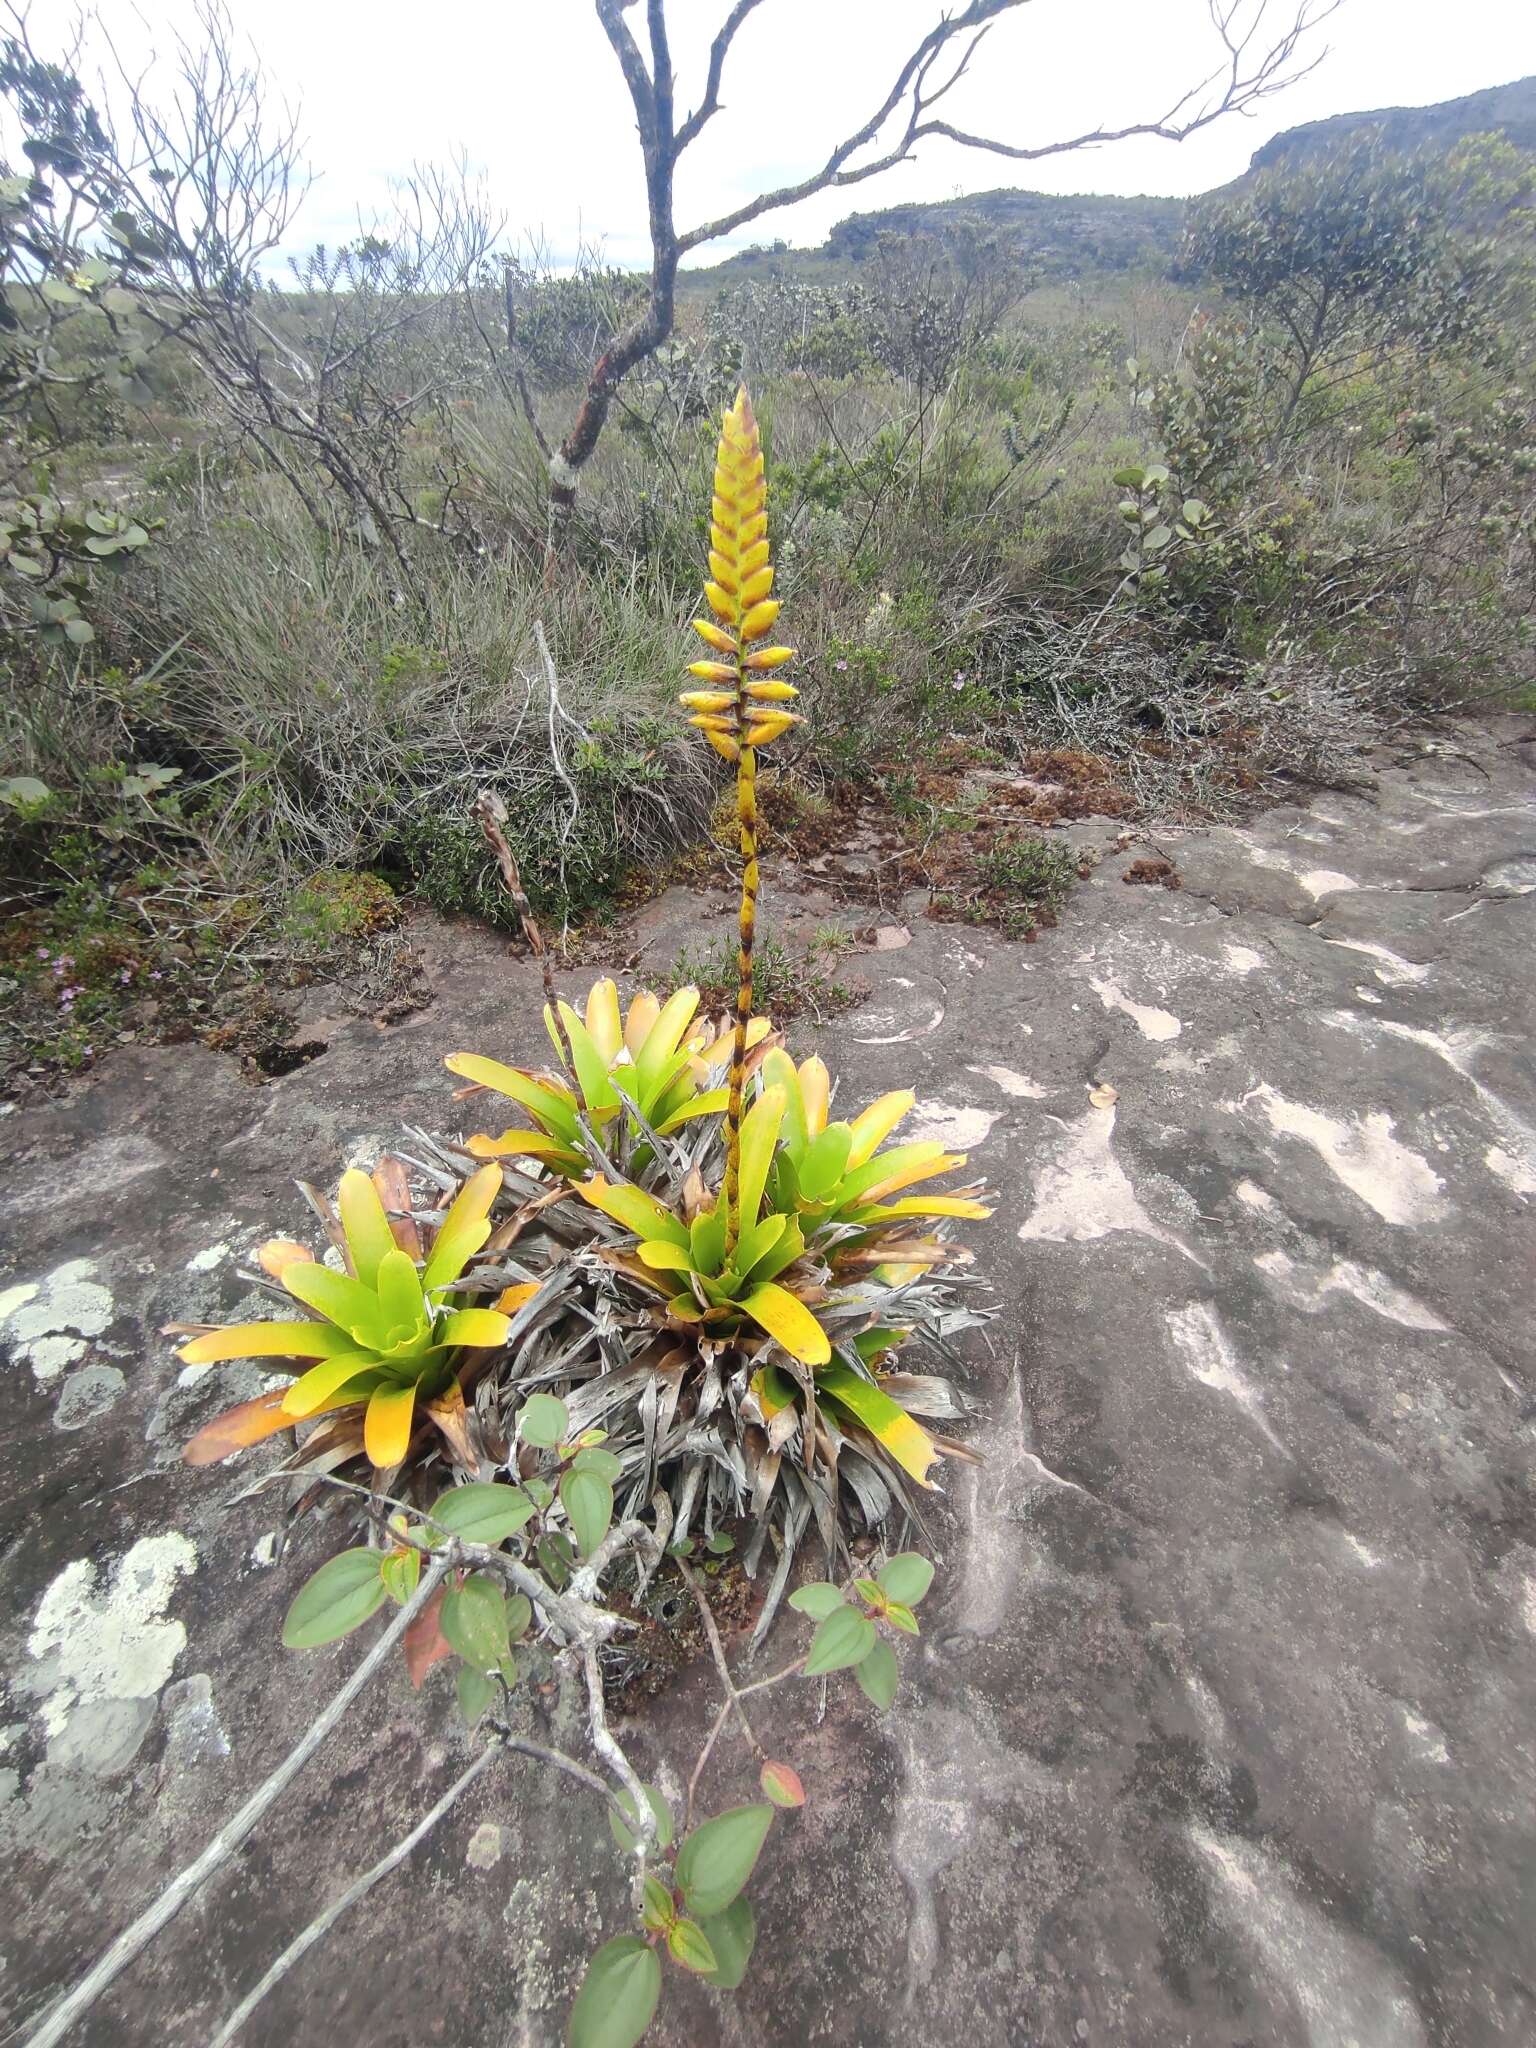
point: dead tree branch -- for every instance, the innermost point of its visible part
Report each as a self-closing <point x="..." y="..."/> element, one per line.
<point x="1256" y="63"/>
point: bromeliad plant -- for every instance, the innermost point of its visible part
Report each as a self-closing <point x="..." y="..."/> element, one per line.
<point x="391" y="1324"/>
<point x="628" y="1079"/>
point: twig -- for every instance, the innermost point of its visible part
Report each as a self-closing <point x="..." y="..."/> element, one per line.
<point x="490" y="814"/>
<point x="133" y="1939"/>
<point x="322" y="1924"/>
<point x="608" y="1748"/>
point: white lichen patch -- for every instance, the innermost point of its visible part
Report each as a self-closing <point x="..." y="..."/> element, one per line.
<point x="1362" y="1153"/>
<point x="207" y="1260"/>
<point x="1389" y="969"/>
<point x="952" y="1124"/>
<point x="1011" y="1083"/>
<point x="1151" y="1022"/>
<point x="48" y="1324"/>
<point x="98" y="1645"/>
<point x="1325" y="882"/>
<point x="485" y="1846"/>
<point x="1252" y="1196"/>
<point x="1205" y="1350"/>
<point x="912" y="1012"/>
<point x="1516" y="1174"/>
<point x="1241" y="960"/>
<point x="1083" y="1193"/>
<point x="1309" y="1291"/>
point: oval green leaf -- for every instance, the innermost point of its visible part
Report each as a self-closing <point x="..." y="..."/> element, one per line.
<point x="474" y="1622"/>
<point x="617" y="1999"/>
<point x="879" y="1674"/>
<point x="717" y="1858"/>
<point x="482" y="1512"/>
<point x="731" y="1935"/>
<point x="817" y="1601"/>
<point x="588" y="1500"/>
<point x="906" y="1577"/>
<point x="338" y="1599"/>
<point x="842" y="1639"/>
<point x="688" y="1944"/>
<point x="543" y="1422"/>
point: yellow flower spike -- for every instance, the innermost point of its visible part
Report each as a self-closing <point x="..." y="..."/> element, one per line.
<point x="715" y="636"/>
<point x="739" y="718"/>
<point x="769" y="726"/>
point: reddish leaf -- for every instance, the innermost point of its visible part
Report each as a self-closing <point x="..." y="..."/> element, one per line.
<point x="394" y="1191"/>
<point x="236" y="1427"/>
<point x="449" y="1413"/>
<point x="781" y="1783"/>
<point x="425" y="1644"/>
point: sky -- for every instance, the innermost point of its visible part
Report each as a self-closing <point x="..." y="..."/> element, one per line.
<point x="528" y="93"/>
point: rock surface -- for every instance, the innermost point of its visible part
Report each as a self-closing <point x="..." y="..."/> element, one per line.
<point x="1220" y="1731"/>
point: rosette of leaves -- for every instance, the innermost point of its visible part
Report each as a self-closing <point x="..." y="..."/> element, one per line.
<point x="629" y="1078"/>
<point x="385" y="1334"/>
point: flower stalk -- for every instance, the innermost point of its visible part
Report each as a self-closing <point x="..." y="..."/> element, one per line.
<point x="743" y="707"/>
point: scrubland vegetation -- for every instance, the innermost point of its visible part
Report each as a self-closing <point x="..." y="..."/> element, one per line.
<point x="279" y="593"/>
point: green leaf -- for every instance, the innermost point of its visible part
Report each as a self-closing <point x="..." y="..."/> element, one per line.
<point x="617" y="1999"/>
<point x="400" y="1572"/>
<point x="903" y="1618"/>
<point x="731" y="1935"/>
<point x="721" y="1544"/>
<point x="543" y="1421"/>
<point x="588" y="1500"/>
<point x="1131" y="478"/>
<point x="879" y="1674"/>
<point x="483" y="1511"/>
<point x="825" y="1161"/>
<point x="718" y="1858"/>
<point x="817" y="1601"/>
<point x="842" y="1639"/>
<point x="603" y="1463"/>
<point x="623" y="1832"/>
<point x="539" y="1491"/>
<point x="657" y="1910"/>
<point x="869" y="1593"/>
<point x="519" y="1617"/>
<point x="688" y="1944"/>
<point x="906" y="1577"/>
<point x="339" y="1598"/>
<point x="474" y="1622"/>
<point x="1159" y="536"/>
<point x="476" y="1692"/>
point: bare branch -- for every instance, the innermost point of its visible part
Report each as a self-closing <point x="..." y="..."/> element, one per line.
<point x="133" y="1939"/>
<point x="322" y="1923"/>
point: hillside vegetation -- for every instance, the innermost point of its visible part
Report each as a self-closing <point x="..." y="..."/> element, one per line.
<point x="279" y="597"/>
